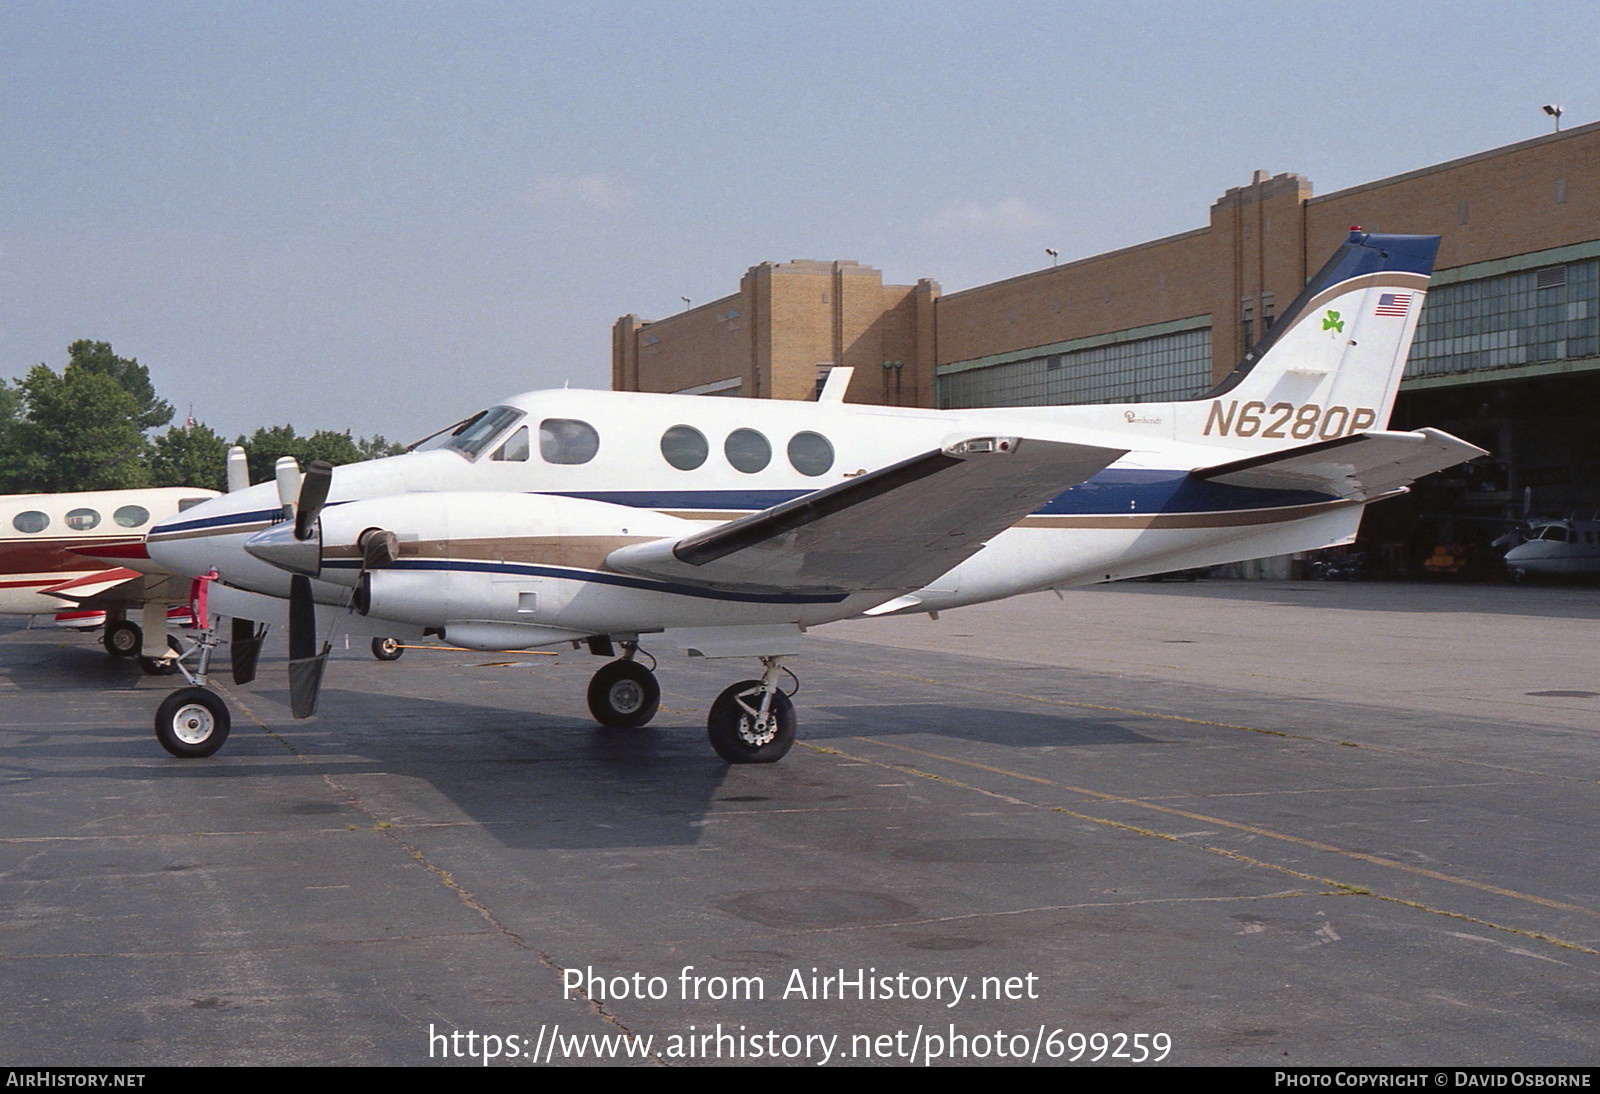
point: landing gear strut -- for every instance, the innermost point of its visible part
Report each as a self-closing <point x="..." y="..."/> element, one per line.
<point x="753" y="722"/>
<point x="194" y="721"/>
<point x="624" y="694"/>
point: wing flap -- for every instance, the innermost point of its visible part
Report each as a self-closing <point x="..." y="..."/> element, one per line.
<point x="896" y="528"/>
<point x="1359" y="467"/>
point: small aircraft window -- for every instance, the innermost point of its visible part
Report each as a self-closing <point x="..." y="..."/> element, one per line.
<point x="747" y="450"/>
<point x="186" y="504"/>
<point x="567" y="440"/>
<point x="81" y="520"/>
<point x="474" y="437"/>
<point x="684" y="447"/>
<point x="810" y="453"/>
<point x="515" y="450"/>
<point x="31" y="521"/>
<point x="131" y="516"/>
<point x="1554" y="533"/>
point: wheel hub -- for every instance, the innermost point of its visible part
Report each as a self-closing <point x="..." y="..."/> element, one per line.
<point x="626" y="696"/>
<point x="193" y="724"/>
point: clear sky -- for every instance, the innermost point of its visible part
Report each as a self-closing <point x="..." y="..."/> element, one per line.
<point x="381" y="216"/>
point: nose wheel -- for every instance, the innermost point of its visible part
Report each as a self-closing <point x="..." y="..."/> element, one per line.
<point x="192" y="722"/>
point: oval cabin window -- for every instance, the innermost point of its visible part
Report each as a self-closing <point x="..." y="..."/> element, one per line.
<point x="810" y="453"/>
<point x="684" y="447"/>
<point x="747" y="450"/>
<point x="30" y="522"/>
<point x="131" y="516"/>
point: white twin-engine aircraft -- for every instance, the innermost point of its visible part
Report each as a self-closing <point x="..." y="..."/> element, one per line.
<point x="726" y="527"/>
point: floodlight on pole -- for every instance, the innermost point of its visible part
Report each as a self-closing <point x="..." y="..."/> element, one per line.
<point x="1554" y="110"/>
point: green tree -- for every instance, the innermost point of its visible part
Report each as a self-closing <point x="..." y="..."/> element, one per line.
<point x="79" y="431"/>
<point x="189" y="455"/>
<point x="130" y="375"/>
<point x="266" y="445"/>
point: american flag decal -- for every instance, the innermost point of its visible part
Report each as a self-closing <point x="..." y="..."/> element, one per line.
<point x="1393" y="303"/>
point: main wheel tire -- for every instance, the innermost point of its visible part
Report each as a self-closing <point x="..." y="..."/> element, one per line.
<point x="387" y="649"/>
<point x="122" y="638"/>
<point x="624" y="695"/>
<point x="731" y="725"/>
<point x="162" y="666"/>
<point x="192" y="722"/>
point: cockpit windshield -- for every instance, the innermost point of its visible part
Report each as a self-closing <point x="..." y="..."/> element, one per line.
<point x="477" y="433"/>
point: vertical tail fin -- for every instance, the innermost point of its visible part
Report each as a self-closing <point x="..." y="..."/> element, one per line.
<point x="1331" y="365"/>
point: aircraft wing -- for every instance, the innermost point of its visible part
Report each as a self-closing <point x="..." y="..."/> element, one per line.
<point x="893" y="530"/>
<point x="107" y="585"/>
<point x="1360" y="466"/>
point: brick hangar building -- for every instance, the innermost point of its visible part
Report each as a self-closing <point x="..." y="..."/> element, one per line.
<point x="1507" y="353"/>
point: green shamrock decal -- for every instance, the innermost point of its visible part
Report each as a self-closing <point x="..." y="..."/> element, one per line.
<point x="1332" y="321"/>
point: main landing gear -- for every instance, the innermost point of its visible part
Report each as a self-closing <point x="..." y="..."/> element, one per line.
<point x="751" y="722"/>
<point x="624" y="694"/>
<point x="122" y="638"/>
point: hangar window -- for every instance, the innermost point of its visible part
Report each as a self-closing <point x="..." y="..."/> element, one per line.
<point x="810" y="453"/>
<point x="515" y="450"/>
<point x="747" y="450"/>
<point x="81" y="520"/>
<point x="31" y="521"/>
<point x="131" y="516"/>
<point x="567" y="440"/>
<point x="684" y="447"/>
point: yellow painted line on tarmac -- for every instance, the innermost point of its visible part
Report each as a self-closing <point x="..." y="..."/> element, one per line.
<point x="1336" y="887"/>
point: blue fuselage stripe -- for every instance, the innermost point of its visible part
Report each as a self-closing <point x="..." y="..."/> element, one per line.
<point x="595" y="577"/>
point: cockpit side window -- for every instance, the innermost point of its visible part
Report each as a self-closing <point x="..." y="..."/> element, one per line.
<point x="515" y="449"/>
<point x="567" y="440"/>
<point x="475" y="437"/>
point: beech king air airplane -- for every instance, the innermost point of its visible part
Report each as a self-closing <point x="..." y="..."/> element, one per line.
<point x="81" y="558"/>
<point x="725" y="528"/>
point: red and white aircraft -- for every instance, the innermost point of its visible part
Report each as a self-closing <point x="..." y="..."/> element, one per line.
<point x="81" y="558"/>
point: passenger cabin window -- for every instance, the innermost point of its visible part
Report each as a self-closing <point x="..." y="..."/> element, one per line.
<point x="474" y="437"/>
<point x="567" y="440"/>
<point x="131" y="516"/>
<point x="810" y="453"/>
<point x="30" y="522"/>
<point x="186" y="504"/>
<point x="81" y="520"/>
<point x="747" y="450"/>
<point x="515" y="450"/>
<point x="684" y="447"/>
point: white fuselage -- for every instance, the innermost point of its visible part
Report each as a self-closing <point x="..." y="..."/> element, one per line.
<point x="512" y="535"/>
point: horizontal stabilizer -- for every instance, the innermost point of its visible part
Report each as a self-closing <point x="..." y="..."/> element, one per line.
<point x="1359" y="467"/>
<point x="896" y="528"/>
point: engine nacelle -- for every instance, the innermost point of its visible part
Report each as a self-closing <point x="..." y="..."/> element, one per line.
<point x="520" y="560"/>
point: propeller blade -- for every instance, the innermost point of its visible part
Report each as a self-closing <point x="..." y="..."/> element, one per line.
<point x="287" y="471"/>
<point x="245" y="647"/>
<point x="238" y="469"/>
<point x="314" y="486"/>
<point x="305" y="660"/>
